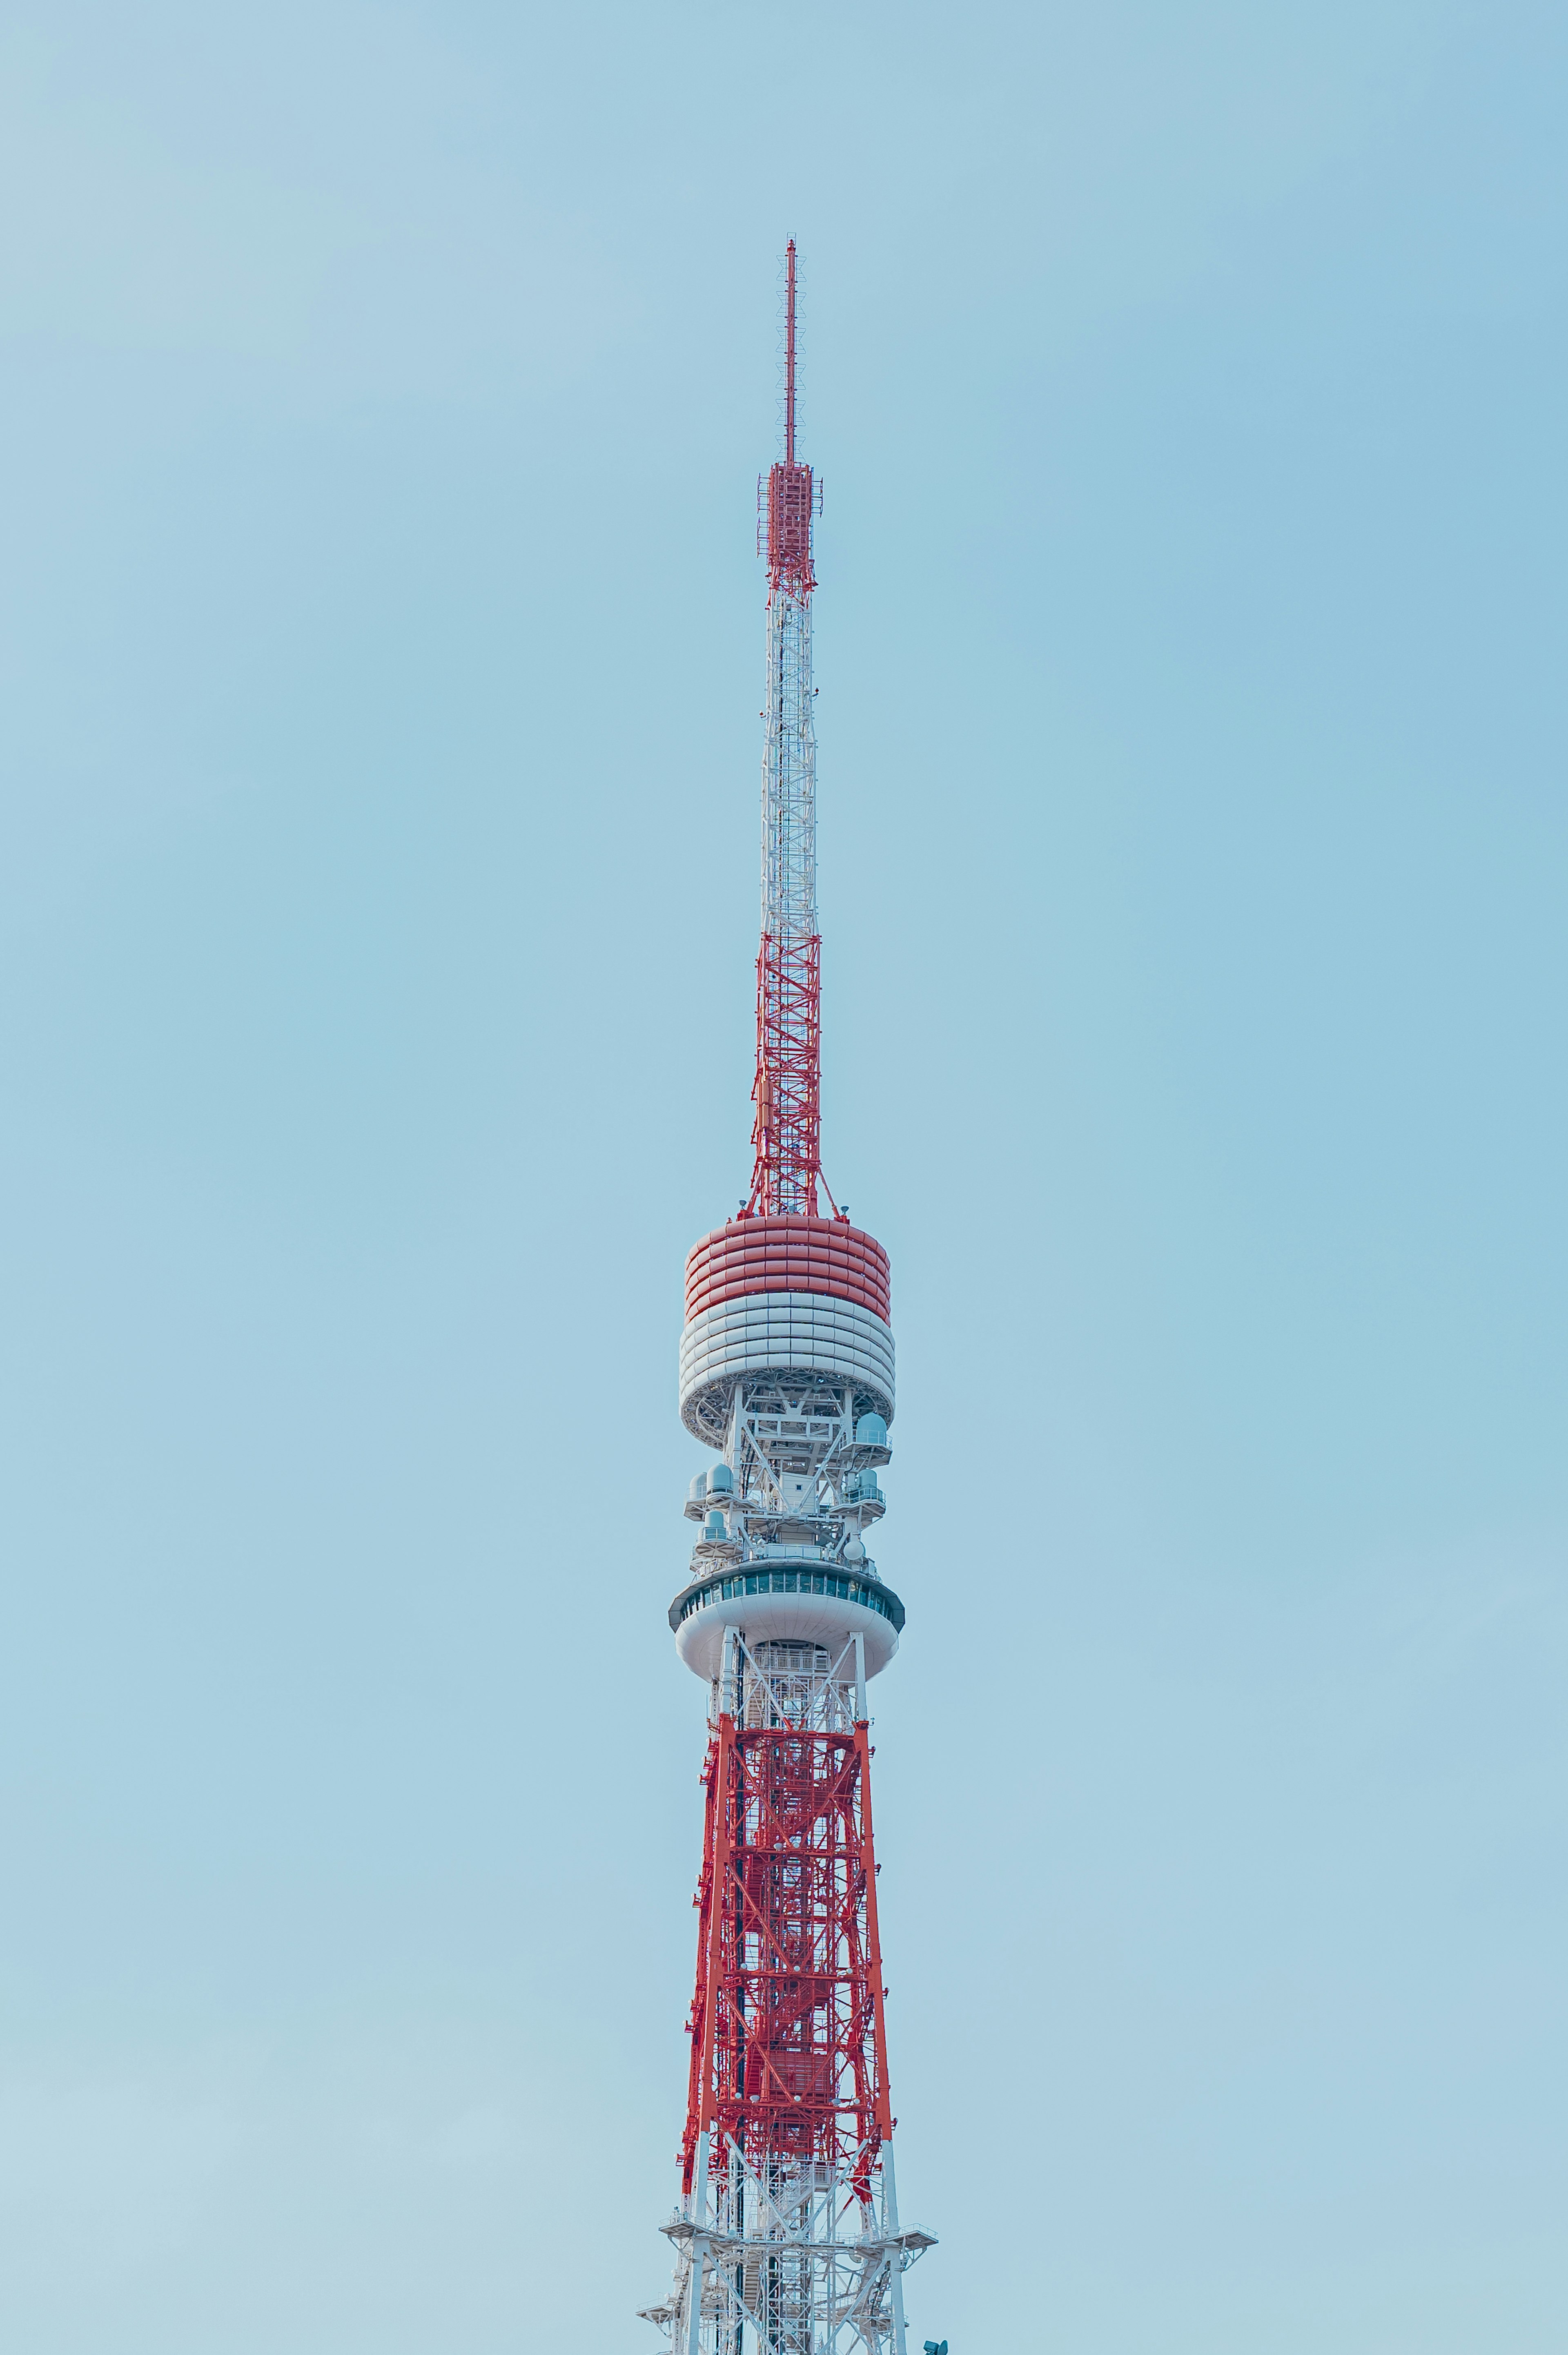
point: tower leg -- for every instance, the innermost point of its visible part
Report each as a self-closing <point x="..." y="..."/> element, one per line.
<point x="699" y="2250"/>
<point x="890" y="2191"/>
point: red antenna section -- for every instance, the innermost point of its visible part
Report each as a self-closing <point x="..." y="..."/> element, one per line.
<point x="794" y="496"/>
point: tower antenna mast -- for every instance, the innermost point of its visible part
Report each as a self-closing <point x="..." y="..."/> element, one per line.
<point x="789" y="355"/>
<point x="786" y="1133"/>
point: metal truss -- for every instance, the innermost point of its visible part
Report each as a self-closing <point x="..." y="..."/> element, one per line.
<point x="795" y="1457"/>
<point x="798" y="2274"/>
<point x="789" y="2221"/>
<point x="786" y="1125"/>
<point x="786" y="1128"/>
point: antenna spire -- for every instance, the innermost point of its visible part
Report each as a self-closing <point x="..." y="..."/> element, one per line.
<point x="787" y="1170"/>
<point x="790" y="354"/>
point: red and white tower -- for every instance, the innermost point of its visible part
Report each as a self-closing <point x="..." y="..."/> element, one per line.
<point x="787" y="2225"/>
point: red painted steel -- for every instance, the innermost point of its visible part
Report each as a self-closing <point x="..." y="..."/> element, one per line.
<point x="792" y="504"/>
<point x="786" y="1130"/>
<point x="789" y="2041"/>
<point x="793" y="496"/>
<point x="823" y="1256"/>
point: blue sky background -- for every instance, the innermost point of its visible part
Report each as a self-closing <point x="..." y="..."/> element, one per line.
<point x="382" y="396"/>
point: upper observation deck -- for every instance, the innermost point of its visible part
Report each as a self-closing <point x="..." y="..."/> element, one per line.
<point x="779" y="1254"/>
<point x="788" y="1296"/>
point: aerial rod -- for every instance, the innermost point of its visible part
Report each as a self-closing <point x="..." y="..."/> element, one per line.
<point x="790" y="354"/>
<point x="787" y="1174"/>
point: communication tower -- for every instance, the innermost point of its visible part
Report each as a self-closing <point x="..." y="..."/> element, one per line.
<point x="786" y="2235"/>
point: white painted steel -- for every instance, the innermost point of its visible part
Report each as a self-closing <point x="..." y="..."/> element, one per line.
<point x="789" y="823"/>
<point x="784" y="1619"/>
<point x="789" y="1332"/>
<point x="789" y="776"/>
<point x="890" y="2213"/>
<point x="699" y="2251"/>
<point x="792" y="2262"/>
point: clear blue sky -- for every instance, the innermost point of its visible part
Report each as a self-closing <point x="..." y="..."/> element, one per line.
<point x="383" y="394"/>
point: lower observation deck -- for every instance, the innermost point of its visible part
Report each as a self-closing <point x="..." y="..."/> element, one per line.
<point x="807" y="1600"/>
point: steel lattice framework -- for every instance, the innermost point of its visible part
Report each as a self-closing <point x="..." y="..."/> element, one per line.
<point x="788" y="2220"/>
<point x="786" y="2235"/>
<point x="789" y="2042"/>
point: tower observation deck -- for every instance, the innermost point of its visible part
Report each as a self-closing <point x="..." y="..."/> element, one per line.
<point x="786" y="2234"/>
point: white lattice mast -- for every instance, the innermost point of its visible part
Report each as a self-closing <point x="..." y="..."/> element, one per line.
<point x="785" y="1131"/>
<point x="787" y="2234"/>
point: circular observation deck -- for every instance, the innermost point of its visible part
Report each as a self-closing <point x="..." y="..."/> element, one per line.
<point x="800" y="1601"/>
<point x="788" y="1296"/>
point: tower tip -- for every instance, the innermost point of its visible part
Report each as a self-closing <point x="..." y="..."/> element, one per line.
<point x="789" y="353"/>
